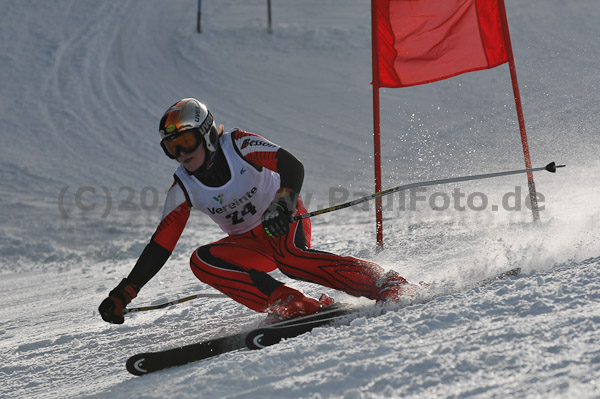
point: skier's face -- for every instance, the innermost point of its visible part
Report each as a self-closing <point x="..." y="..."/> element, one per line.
<point x="192" y="161"/>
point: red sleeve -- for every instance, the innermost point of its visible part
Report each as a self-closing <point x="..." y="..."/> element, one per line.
<point x="154" y="256"/>
<point x="170" y="228"/>
<point x="175" y="215"/>
<point x="256" y="149"/>
<point x="259" y="151"/>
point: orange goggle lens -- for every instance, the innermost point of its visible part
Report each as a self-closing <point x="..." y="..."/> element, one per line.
<point x="186" y="141"/>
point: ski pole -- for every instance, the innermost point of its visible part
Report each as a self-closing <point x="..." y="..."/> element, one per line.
<point x="175" y="302"/>
<point x="551" y="167"/>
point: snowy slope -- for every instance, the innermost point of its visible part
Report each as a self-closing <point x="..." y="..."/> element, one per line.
<point x="83" y="86"/>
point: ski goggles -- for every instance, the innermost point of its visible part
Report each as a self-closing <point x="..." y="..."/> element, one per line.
<point x="186" y="141"/>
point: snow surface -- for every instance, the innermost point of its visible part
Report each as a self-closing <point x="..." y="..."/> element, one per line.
<point x="84" y="84"/>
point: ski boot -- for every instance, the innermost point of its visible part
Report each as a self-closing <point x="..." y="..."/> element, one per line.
<point x="287" y="303"/>
<point x="395" y="288"/>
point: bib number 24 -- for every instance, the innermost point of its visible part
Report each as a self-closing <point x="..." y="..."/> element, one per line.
<point x="238" y="216"/>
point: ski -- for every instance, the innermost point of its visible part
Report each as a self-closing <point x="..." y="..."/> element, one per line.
<point x="258" y="338"/>
<point x="500" y="276"/>
<point x="272" y="334"/>
<point x="275" y="333"/>
<point x="149" y="362"/>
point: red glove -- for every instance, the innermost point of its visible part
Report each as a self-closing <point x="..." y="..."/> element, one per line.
<point x="111" y="309"/>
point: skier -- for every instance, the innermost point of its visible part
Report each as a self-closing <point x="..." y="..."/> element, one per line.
<point x="250" y="187"/>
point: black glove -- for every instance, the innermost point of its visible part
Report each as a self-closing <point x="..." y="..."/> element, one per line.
<point x="111" y="309"/>
<point x="277" y="218"/>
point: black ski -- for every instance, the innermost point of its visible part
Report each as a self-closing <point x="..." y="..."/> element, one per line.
<point x="261" y="337"/>
<point x="274" y="333"/>
<point x="499" y="277"/>
<point x="144" y="363"/>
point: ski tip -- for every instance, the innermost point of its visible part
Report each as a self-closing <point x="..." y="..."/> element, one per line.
<point x="552" y="166"/>
<point x="135" y="365"/>
<point x="256" y="339"/>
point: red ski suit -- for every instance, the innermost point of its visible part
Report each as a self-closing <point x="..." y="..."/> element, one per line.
<point x="237" y="265"/>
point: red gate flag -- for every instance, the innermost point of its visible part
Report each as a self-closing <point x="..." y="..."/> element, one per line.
<point x="422" y="41"/>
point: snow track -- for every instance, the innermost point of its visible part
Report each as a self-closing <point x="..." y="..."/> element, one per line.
<point x="84" y="83"/>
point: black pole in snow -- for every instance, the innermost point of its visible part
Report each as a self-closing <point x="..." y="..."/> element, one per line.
<point x="198" y="25"/>
<point x="270" y="28"/>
